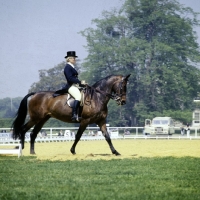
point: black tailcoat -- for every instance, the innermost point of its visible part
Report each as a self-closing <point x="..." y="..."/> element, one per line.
<point x="71" y="76"/>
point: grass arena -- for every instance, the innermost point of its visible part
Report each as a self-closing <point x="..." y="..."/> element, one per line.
<point x="129" y="148"/>
<point x="147" y="169"/>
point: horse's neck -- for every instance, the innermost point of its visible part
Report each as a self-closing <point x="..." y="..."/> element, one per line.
<point x="105" y="89"/>
<point x="105" y="86"/>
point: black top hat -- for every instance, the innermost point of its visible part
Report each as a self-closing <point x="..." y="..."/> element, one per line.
<point x="71" y="54"/>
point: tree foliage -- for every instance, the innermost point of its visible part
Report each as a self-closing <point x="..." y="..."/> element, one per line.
<point x="155" y="42"/>
<point x="9" y="107"/>
<point x="8" y="110"/>
<point x="51" y="79"/>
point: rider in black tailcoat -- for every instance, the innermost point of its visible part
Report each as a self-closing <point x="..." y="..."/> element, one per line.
<point x="73" y="83"/>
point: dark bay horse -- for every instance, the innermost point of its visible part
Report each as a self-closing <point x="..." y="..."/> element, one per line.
<point x="43" y="106"/>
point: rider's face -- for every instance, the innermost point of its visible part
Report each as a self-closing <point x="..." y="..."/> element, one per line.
<point x="72" y="60"/>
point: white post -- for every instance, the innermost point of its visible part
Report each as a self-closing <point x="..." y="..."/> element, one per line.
<point x="51" y="133"/>
<point x="188" y="133"/>
<point x="136" y="131"/>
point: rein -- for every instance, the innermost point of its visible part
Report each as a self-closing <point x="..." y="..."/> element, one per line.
<point x="101" y="91"/>
<point x="115" y="96"/>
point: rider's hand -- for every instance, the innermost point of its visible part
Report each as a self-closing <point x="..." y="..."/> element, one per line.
<point x="83" y="82"/>
<point x="82" y="85"/>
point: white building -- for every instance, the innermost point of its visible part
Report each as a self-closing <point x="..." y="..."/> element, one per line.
<point x="196" y="114"/>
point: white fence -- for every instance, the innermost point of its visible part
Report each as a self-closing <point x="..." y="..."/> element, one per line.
<point x="55" y="134"/>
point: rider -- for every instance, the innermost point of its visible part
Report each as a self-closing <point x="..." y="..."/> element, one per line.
<point x="73" y="82"/>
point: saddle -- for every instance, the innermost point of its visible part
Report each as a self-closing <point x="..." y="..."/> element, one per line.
<point x="70" y="98"/>
<point x="86" y="96"/>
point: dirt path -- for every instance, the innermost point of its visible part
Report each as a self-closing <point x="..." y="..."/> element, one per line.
<point x="92" y="150"/>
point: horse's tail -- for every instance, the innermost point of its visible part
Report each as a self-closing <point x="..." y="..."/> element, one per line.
<point x="20" y="117"/>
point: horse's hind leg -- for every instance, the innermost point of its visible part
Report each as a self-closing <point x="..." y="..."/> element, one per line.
<point x="34" y="133"/>
<point x="23" y="131"/>
<point x="82" y="127"/>
<point x="103" y="128"/>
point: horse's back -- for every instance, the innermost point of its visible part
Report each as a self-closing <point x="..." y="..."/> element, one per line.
<point x="40" y="98"/>
<point x="43" y="103"/>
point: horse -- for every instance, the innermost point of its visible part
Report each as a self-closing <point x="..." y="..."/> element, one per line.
<point x="41" y="106"/>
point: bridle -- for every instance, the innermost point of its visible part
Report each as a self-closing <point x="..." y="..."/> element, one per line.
<point x="116" y="96"/>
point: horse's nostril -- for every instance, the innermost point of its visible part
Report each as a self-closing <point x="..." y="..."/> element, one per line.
<point x="123" y="102"/>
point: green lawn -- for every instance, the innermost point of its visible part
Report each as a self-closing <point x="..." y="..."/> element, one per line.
<point x="142" y="178"/>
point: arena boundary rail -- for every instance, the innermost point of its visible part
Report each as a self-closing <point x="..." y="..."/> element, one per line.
<point x="92" y="133"/>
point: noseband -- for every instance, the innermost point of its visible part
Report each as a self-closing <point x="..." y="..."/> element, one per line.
<point x="117" y="96"/>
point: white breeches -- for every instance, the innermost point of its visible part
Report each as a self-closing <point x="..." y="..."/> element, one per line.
<point x="75" y="92"/>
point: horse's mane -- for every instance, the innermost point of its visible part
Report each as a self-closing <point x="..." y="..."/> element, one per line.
<point x="102" y="81"/>
<point x="99" y="84"/>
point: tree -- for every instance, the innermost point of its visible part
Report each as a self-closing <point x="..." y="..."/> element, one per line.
<point x="52" y="79"/>
<point x="9" y="107"/>
<point x="155" y="42"/>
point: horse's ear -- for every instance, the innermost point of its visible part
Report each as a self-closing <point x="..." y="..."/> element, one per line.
<point x="127" y="77"/>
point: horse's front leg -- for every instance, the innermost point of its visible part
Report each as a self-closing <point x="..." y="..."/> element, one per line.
<point x="107" y="137"/>
<point x="82" y="127"/>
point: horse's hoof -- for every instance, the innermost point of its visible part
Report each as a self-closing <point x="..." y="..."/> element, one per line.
<point x="32" y="152"/>
<point x="73" y="152"/>
<point x="117" y="153"/>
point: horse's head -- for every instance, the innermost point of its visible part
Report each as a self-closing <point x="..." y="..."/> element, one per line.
<point x="119" y="90"/>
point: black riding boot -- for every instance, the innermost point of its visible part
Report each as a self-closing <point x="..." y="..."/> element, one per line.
<point x="75" y="110"/>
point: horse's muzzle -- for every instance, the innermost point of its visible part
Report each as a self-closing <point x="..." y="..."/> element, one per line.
<point x="122" y="102"/>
